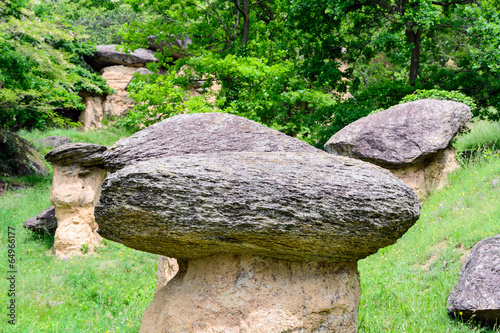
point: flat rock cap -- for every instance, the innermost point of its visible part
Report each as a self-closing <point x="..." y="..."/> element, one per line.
<point x="403" y="135"/>
<point x="293" y="206"/>
<point x="83" y="154"/>
<point x="200" y="133"/>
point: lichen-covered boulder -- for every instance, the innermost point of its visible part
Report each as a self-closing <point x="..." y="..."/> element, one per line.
<point x="78" y="175"/>
<point x="198" y="133"/>
<point x="411" y="139"/>
<point x="294" y="206"/>
<point x="477" y="294"/>
<point x="19" y="158"/>
<point x="402" y="135"/>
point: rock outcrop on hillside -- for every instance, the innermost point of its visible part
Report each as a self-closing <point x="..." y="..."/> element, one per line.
<point x="78" y="175"/>
<point x="293" y="206"/>
<point x="477" y="294"/>
<point x="107" y="55"/>
<point x="19" y="158"/>
<point x="411" y="139"/>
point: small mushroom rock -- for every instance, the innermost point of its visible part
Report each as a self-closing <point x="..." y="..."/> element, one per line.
<point x="477" y="294"/>
<point x="78" y="174"/>
<point x="411" y="139"/>
<point x="267" y="241"/>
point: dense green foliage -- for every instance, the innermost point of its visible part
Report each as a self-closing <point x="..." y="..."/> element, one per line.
<point x="286" y="64"/>
<point x="41" y="69"/>
<point x="280" y="63"/>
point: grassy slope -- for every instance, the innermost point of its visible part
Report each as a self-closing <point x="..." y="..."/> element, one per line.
<point x="404" y="287"/>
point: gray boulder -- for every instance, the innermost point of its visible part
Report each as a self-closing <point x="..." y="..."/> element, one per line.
<point x="403" y="135"/>
<point x="477" y="294"/>
<point x="19" y="158"/>
<point x="200" y="133"/>
<point x="43" y="223"/>
<point x="107" y="55"/>
<point x="54" y="141"/>
<point x="293" y="206"/>
<point x="83" y="154"/>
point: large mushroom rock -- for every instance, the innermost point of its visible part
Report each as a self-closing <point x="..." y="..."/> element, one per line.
<point x="19" y="158"/>
<point x="78" y="175"/>
<point x="200" y="133"/>
<point x="43" y="223"/>
<point x="256" y="232"/>
<point x="192" y="134"/>
<point x="410" y="139"/>
<point x="477" y="294"/>
<point x="107" y="55"/>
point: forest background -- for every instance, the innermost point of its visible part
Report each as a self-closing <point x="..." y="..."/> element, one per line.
<point x="280" y="63"/>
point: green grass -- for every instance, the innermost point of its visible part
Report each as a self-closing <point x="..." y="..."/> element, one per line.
<point x="483" y="135"/>
<point x="404" y="286"/>
<point x="107" y="291"/>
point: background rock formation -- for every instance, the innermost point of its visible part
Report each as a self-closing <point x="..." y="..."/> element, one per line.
<point x="412" y="140"/>
<point x="107" y="55"/>
<point x="19" y="158"/>
<point x="477" y="294"/>
<point x="78" y="175"/>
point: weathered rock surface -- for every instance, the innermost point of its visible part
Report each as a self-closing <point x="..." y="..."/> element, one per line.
<point x="225" y="293"/>
<point x="54" y="141"/>
<point x="431" y="174"/>
<point x="200" y="133"/>
<point x="113" y="105"/>
<point x="83" y="154"/>
<point x="403" y="135"/>
<point x="477" y="294"/>
<point x="43" y="223"/>
<point x="19" y="158"/>
<point x="412" y="140"/>
<point x="91" y="117"/>
<point x="294" y="206"/>
<point x="78" y="175"/>
<point x="107" y="55"/>
<point x="167" y="268"/>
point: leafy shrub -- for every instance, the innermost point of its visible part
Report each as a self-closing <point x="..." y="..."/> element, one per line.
<point x="442" y="95"/>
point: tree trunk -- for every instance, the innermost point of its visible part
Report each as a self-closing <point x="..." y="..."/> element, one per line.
<point x="414" y="38"/>
<point x="246" y="22"/>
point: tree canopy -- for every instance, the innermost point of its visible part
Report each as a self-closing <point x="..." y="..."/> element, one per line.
<point x="305" y="67"/>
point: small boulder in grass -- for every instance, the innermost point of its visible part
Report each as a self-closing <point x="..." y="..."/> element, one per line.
<point x="43" y="223"/>
<point x="477" y="294"/>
